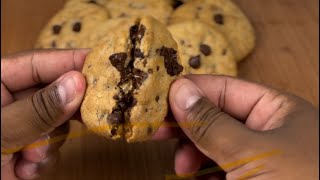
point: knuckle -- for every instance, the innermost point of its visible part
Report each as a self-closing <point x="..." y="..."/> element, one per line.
<point x="202" y="117"/>
<point x="47" y="107"/>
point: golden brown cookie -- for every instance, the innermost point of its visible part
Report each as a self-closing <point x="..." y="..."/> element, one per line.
<point x="71" y="24"/>
<point x="223" y="15"/>
<point x="128" y="79"/>
<point x="203" y="50"/>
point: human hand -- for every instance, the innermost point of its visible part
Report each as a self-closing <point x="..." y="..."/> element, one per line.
<point x="30" y="114"/>
<point x="249" y="130"/>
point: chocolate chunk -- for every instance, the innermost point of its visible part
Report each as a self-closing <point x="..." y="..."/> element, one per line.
<point x="114" y="131"/>
<point x="138" y="53"/>
<point x="139" y="77"/>
<point x="137" y="32"/>
<point x="118" y="60"/>
<point x="146" y="109"/>
<point x="116" y="117"/>
<point x="158" y="68"/>
<point x="194" y="62"/>
<point x="149" y="130"/>
<point x="116" y="97"/>
<point x="224" y="52"/>
<point x="157" y="98"/>
<point x="176" y="4"/>
<point x="205" y="49"/>
<point x="56" y="29"/>
<point x="170" y="60"/>
<point x="54" y="44"/>
<point x="219" y="19"/>
<point x="76" y="27"/>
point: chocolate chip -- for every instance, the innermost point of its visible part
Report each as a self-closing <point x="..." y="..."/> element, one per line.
<point x="146" y="109"/>
<point x="157" y="98"/>
<point x="114" y="131"/>
<point x="137" y="32"/>
<point x="54" y="44"/>
<point x="158" y="68"/>
<point x="116" y="97"/>
<point x="117" y="60"/>
<point x="138" y="53"/>
<point x="116" y="117"/>
<point x="89" y="66"/>
<point x="139" y="77"/>
<point x="205" y="49"/>
<point x="149" y="130"/>
<point x="92" y="1"/>
<point x="176" y="4"/>
<point x="219" y="19"/>
<point x="170" y="60"/>
<point x="56" y="29"/>
<point x="76" y="27"/>
<point x="194" y="62"/>
<point x="224" y="52"/>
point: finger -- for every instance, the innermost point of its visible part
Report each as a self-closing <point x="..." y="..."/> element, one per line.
<point x="25" y="93"/>
<point x="6" y="97"/>
<point x="25" y="169"/>
<point x="216" y="134"/>
<point x="188" y="159"/>
<point x="47" y="145"/>
<point x="29" y="69"/>
<point x="24" y="121"/>
<point x="261" y="107"/>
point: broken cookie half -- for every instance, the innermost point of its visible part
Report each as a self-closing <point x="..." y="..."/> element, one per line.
<point x="128" y="79"/>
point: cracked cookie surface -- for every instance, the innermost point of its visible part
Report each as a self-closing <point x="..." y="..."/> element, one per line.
<point x="203" y="50"/>
<point x="128" y="79"/>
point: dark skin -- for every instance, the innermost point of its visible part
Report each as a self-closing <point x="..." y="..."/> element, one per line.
<point x="222" y="120"/>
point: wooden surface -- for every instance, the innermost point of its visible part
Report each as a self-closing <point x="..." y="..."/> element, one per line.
<point x="286" y="57"/>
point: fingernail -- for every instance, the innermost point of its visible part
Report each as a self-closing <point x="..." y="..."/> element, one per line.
<point x="187" y="95"/>
<point x="30" y="169"/>
<point x="67" y="90"/>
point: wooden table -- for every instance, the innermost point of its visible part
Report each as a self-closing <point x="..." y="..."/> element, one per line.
<point x="286" y="57"/>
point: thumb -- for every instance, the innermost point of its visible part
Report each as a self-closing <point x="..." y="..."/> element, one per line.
<point x="25" y="120"/>
<point x="215" y="133"/>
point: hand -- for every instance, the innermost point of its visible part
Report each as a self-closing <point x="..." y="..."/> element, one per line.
<point x="249" y="130"/>
<point x="30" y="114"/>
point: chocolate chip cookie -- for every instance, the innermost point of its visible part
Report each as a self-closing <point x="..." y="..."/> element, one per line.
<point x="128" y="79"/>
<point x="160" y="10"/>
<point x="203" y="50"/>
<point x="223" y="15"/>
<point x="71" y="24"/>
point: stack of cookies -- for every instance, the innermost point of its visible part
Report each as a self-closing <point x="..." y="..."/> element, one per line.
<point x="139" y="47"/>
